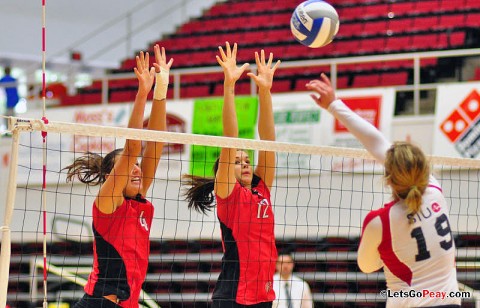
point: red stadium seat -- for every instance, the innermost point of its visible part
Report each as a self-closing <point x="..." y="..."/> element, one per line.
<point x="346" y="47"/>
<point x="286" y="5"/>
<point x="456" y="39"/>
<point x="262" y="6"/>
<point x="402" y="8"/>
<point x="123" y="83"/>
<point x="362" y="81"/>
<point x="375" y="27"/>
<point x="393" y="79"/>
<point x="426" y="6"/>
<point x="397" y="43"/>
<point x="471" y="4"/>
<point x="376" y="10"/>
<point x="428" y="62"/>
<point x="219" y="9"/>
<point x="424" y="23"/>
<point x="371" y="45"/>
<point x="450" y="21"/>
<point x="449" y="5"/>
<point x="342" y="82"/>
<point x="195" y="91"/>
<point x="281" y="86"/>
<point x="398" y="25"/>
<point x="355" y="12"/>
<point x="275" y="35"/>
<point x="188" y="27"/>
<point x="72" y="100"/>
<point x="397" y="64"/>
<point x="473" y="20"/>
<point x="351" y="29"/>
<point x="424" y="42"/>
<point x="122" y="96"/>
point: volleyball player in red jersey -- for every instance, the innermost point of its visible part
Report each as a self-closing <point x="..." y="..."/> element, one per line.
<point x="244" y="208"/>
<point x="410" y="237"/>
<point x="122" y="217"/>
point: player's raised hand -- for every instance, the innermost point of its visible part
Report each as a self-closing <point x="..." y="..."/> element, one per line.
<point x="161" y="59"/>
<point x="265" y="71"/>
<point x="323" y="87"/>
<point x="228" y="61"/>
<point x="144" y="73"/>
<point x="162" y="69"/>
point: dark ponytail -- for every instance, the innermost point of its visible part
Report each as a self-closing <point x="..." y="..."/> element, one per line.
<point x="92" y="168"/>
<point x="200" y="195"/>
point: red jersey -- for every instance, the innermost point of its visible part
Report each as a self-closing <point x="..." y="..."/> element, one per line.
<point x="248" y="264"/>
<point x="120" y="250"/>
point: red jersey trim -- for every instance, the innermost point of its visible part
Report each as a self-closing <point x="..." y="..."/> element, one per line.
<point x="389" y="258"/>
<point x="434" y="186"/>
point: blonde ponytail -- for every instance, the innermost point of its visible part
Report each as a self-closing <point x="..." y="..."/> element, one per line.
<point x="414" y="199"/>
<point x="407" y="172"/>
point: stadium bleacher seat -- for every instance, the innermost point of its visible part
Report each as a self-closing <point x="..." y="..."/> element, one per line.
<point x="367" y="28"/>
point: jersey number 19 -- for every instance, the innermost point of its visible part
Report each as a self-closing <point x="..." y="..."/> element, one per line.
<point x="442" y="225"/>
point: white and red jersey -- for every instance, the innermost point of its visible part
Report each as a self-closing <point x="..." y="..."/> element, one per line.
<point x="415" y="256"/>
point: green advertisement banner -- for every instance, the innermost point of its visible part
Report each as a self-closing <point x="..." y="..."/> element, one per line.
<point x="207" y="120"/>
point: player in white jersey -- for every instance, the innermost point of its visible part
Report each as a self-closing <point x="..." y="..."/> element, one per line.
<point x="409" y="237"/>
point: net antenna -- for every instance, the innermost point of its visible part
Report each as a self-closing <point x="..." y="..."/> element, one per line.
<point x="44" y="151"/>
<point x="11" y="189"/>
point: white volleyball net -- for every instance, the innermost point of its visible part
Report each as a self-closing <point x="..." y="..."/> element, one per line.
<point x="320" y="197"/>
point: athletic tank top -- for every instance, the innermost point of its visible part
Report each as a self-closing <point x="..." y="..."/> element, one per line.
<point x="418" y="256"/>
<point x="248" y="264"/>
<point x="121" y="249"/>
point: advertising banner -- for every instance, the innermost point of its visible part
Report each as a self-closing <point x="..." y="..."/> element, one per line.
<point x="207" y="120"/>
<point x="299" y="120"/>
<point x="63" y="148"/>
<point x="457" y="121"/>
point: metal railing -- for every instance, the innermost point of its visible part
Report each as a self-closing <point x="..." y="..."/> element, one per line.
<point x="333" y="63"/>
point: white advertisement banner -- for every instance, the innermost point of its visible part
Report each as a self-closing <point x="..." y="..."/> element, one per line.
<point x="299" y="120"/>
<point x="62" y="149"/>
<point x="457" y="121"/>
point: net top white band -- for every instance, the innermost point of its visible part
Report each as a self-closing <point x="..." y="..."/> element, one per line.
<point x="25" y="124"/>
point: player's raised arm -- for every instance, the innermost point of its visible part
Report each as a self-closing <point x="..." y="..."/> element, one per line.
<point x="225" y="177"/>
<point x="266" y="127"/>
<point x="158" y="116"/>
<point x="111" y="194"/>
<point x="371" y="138"/>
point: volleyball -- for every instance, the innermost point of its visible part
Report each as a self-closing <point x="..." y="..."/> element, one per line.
<point x="314" y="23"/>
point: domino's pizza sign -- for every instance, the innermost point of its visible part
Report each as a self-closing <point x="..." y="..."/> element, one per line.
<point x="461" y="126"/>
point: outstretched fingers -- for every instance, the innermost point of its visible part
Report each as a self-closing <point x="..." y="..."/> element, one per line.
<point x="326" y="79"/>
<point x="234" y="51"/>
<point x="274" y="68"/>
<point x="270" y="60"/>
<point x="222" y="53"/>
<point x="244" y="67"/>
<point x="161" y="59"/>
